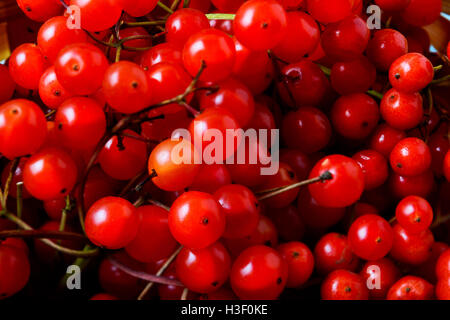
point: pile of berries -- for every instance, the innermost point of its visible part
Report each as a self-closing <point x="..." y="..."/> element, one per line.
<point x="359" y="206"/>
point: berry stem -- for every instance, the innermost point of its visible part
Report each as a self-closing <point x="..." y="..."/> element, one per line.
<point x="41" y="234"/>
<point x="220" y="16"/>
<point x="160" y="272"/>
<point x="441" y="80"/>
<point x="325" y="70"/>
<point x="375" y="94"/>
<point x="19" y="199"/>
<point x="437" y="68"/>
<point x="50" y="113"/>
<point x="159" y="204"/>
<point x="276" y="191"/>
<point x="184" y="294"/>
<point x="164" y="7"/>
<point x="174" y="5"/>
<point x="13" y="168"/>
<point x="145" y="23"/>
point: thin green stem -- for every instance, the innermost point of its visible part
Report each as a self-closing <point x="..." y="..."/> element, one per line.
<point x="12" y="169"/>
<point x="325" y="70"/>
<point x="375" y="94"/>
<point x="19" y="199"/>
<point x="441" y="80"/>
<point x="164" y="7"/>
<point x="220" y="16"/>
<point x="437" y="68"/>
<point x="145" y="23"/>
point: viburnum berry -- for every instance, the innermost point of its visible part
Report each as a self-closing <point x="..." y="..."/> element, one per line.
<point x="259" y="273"/>
<point x="422" y="12"/>
<point x="211" y="178"/>
<point x="385" y="47"/>
<point x="227" y="5"/>
<point x="439" y="145"/>
<point x="138" y="8"/>
<point x="344" y="285"/>
<point x="300" y="262"/>
<point x="49" y="174"/>
<point x="370" y="237"/>
<point x="288" y="222"/>
<point x="212" y="48"/>
<point x="8" y="85"/>
<point x="183" y="23"/>
<point x="327" y="11"/>
<point x="401" y="110"/>
<point x="196" y="220"/>
<point x="14" y="270"/>
<point x="17" y="176"/>
<point x="411" y="72"/>
<point x="414" y="214"/>
<point x="411" y="248"/>
<point x="411" y="288"/>
<point x="163" y="52"/>
<point x="392" y="5"/>
<point x="112" y="222"/>
<point x="382" y="274"/>
<point x="81" y="67"/>
<point x="203" y="270"/>
<point x="410" y="157"/>
<point x="140" y="39"/>
<point x="172" y="163"/>
<point x="443" y="289"/>
<point x="98" y="16"/>
<point x="26" y="65"/>
<point x="345" y="186"/>
<point x="23" y="128"/>
<point x="260" y="24"/>
<point x="403" y="186"/>
<point x="51" y="92"/>
<point x="354" y="76"/>
<point x="374" y="166"/>
<point x="385" y="138"/>
<point x="153" y="240"/>
<point x="40" y="10"/>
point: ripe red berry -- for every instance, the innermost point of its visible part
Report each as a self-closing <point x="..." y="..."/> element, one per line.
<point x="14" y="270"/>
<point x="260" y="24"/>
<point x="447" y="166"/>
<point x="344" y="285"/>
<point x="381" y="275"/>
<point x="410" y="157"/>
<point x="401" y="110"/>
<point x="414" y="214"/>
<point x="385" y="138"/>
<point x="392" y="5"/>
<point x="411" y="248"/>
<point x="300" y="262"/>
<point x="344" y="188"/>
<point x="327" y="11"/>
<point x="354" y="76"/>
<point x="51" y="92"/>
<point x="411" y="288"/>
<point x="183" y="23"/>
<point x="422" y="12"/>
<point x="112" y="223"/>
<point x="386" y="46"/>
<point x="40" y="10"/>
<point x="26" y="65"/>
<point x="196" y="220"/>
<point x="203" y="270"/>
<point x="8" y="85"/>
<point x="443" y="265"/>
<point x="23" y="128"/>
<point x="374" y="166"/>
<point x="98" y="16"/>
<point x="443" y="289"/>
<point x="411" y="73"/>
<point x="259" y="273"/>
<point x="139" y="8"/>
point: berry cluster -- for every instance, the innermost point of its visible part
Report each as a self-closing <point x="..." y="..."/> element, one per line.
<point x="358" y="208"/>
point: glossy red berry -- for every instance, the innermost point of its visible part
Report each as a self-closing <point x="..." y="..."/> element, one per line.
<point x="411" y="72"/>
<point x="354" y="76"/>
<point x="81" y="67"/>
<point x="213" y="48"/>
<point x="14" y="270"/>
<point x="112" y="223"/>
<point x="327" y="11"/>
<point x="344" y="188"/>
<point x="401" y="110"/>
<point x="259" y="273"/>
<point x="40" y="10"/>
<point x="51" y="92"/>
<point x="411" y="288"/>
<point x="344" y="285"/>
<point x="98" y="16"/>
<point x="414" y="214"/>
<point x="163" y="52"/>
<point x="300" y="262"/>
<point x="443" y="265"/>
<point x="49" y="174"/>
<point x="153" y="240"/>
<point x="410" y="157"/>
<point x="26" y="65"/>
<point x="411" y="248"/>
<point x="17" y="176"/>
<point x="385" y="138"/>
<point x="183" y="23"/>
<point x="241" y="209"/>
<point x="403" y="186"/>
<point x="8" y="85"/>
<point x="260" y="24"/>
<point x="370" y="237"/>
<point x="381" y="275"/>
<point x="374" y="166"/>
<point x="443" y="289"/>
<point x="139" y="8"/>
<point x="386" y="46"/>
<point x="23" y="128"/>
<point x="422" y="12"/>
<point x="196" y="220"/>
<point x="203" y="270"/>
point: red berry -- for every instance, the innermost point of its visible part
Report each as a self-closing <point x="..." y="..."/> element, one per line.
<point x="374" y="166"/>
<point x="410" y="157"/>
<point x="411" y="248"/>
<point x="411" y="73"/>
<point x="300" y="262"/>
<point x="344" y="285"/>
<point x="401" y="110"/>
<point x="422" y="12"/>
<point x="183" y="23"/>
<point x="14" y="270"/>
<point x="411" y="288"/>
<point x="354" y="76"/>
<point x="385" y="47"/>
<point x="26" y="65"/>
<point x="40" y="10"/>
<point x="327" y="11"/>
<point x="414" y="214"/>
<point x="443" y="265"/>
<point x="98" y="16"/>
<point x="381" y="274"/>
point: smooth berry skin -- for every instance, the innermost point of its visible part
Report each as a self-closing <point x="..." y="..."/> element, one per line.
<point x="26" y="65"/>
<point x="333" y="252"/>
<point x="355" y="116"/>
<point x="139" y="8"/>
<point x="315" y="216"/>
<point x="410" y="157"/>
<point x="233" y="96"/>
<point x="411" y="73"/>
<point x="212" y="47"/>
<point x="422" y="12"/>
<point x="51" y="92"/>
<point x="327" y="11"/>
<point x="196" y="220"/>
<point x="354" y="76"/>
<point x="267" y="275"/>
<point x="344" y="285"/>
<point x="241" y="209"/>
<point x="260" y="24"/>
<point x="346" y="40"/>
<point x="153" y="240"/>
<point x="447" y="166"/>
<point x="411" y="288"/>
<point x="54" y="35"/>
<point x="307" y="83"/>
<point x="370" y="237"/>
<point x="8" y="85"/>
<point x="126" y="87"/>
<point x="227" y="5"/>
<point x="23" y="128"/>
<point x="300" y="262"/>
<point x="387" y="274"/>
<point x="183" y="23"/>
<point x="402" y="110"/>
<point x="374" y="166"/>
<point x="443" y="289"/>
<point x="302" y="37"/>
<point x="163" y="52"/>
<point x="111" y="223"/>
<point x="98" y="16"/>
<point x="346" y="185"/>
<point x="403" y="186"/>
<point x="298" y="161"/>
<point x="14" y="270"/>
<point x="411" y="248"/>
<point x="123" y="161"/>
<point x="211" y="178"/>
<point x="392" y="5"/>
<point x="81" y="68"/>
<point x="386" y="46"/>
<point x="307" y="129"/>
<point x="443" y="265"/>
<point x="171" y="175"/>
<point x="40" y="10"/>
<point x="49" y="174"/>
<point x="81" y="122"/>
<point x="414" y="214"/>
<point x="384" y="139"/>
<point x="439" y="146"/>
<point x="203" y="270"/>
